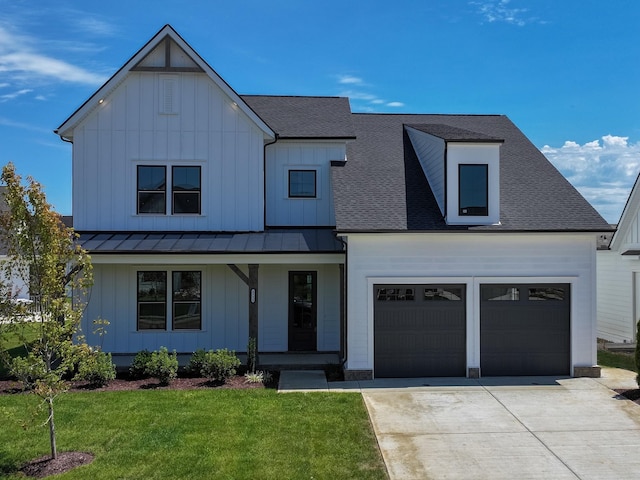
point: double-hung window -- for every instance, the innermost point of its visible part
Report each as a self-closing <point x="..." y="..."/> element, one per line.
<point x="186" y="301"/>
<point x="152" y="186"/>
<point x="302" y="184"/>
<point x="152" y="300"/>
<point x="185" y="189"/>
<point x="185" y="288"/>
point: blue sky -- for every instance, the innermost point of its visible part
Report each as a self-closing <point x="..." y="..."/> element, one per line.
<point x="566" y="72"/>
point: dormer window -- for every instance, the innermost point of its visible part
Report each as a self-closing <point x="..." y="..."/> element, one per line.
<point x="473" y="190"/>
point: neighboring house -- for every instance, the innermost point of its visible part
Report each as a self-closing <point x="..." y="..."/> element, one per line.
<point x="412" y="245"/>
<point x="619" y="276"/>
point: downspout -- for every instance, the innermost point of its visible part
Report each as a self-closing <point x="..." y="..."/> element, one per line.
<point x="264" y="181"/>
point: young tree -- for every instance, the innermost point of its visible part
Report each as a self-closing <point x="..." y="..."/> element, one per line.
<point x="43" y="252"/>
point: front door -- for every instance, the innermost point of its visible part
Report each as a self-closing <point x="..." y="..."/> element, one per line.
<point x="302" y="311"/>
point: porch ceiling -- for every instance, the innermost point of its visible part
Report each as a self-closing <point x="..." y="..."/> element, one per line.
<point x="271" y="241"/>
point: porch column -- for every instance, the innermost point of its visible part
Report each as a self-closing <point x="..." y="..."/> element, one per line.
<point x="252" y="282"/>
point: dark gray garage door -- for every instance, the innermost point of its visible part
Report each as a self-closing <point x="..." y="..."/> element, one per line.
<point x="420" y="330"/>
<point x="525" y="329"/>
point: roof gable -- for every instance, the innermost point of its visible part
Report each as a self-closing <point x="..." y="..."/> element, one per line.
<point x="630" y="216"/>
<point x="167" y="52"/>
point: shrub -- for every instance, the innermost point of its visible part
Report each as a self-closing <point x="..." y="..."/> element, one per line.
<point x="96" y="367"/>
<point x="196" y="361"/>
<point x="258" y="377"/>
<point x="220" y="365"/>
<point x="139" y="365"/>
<point x="163" y="365"/>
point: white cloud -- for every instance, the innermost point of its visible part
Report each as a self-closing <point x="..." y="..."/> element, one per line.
<point x="500" y="11"/>
<point x="602" y="170"/>
<point x="16" y="94"/>
<point x="349" y="79"/>
<point x="359" y="92"/>
<point x="22" y="62"/>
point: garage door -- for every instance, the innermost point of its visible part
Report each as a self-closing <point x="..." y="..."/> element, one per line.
<point x="420" y="330"/>
<point x="525" y="329"/>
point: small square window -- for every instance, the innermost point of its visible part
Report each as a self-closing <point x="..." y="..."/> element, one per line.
<point x="302" y="183"/>
<point x="473" y="190"/>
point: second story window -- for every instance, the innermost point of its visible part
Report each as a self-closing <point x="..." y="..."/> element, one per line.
<point x="473" y="189"/>
<point x="185" y="189"/>
<point x="302" y="183"/>
<point x="152" y="185"/>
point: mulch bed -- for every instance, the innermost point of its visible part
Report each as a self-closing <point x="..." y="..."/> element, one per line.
<point x="633" y="395"/>
<point x="8" y="387"/>
<point x="44" y="466"/>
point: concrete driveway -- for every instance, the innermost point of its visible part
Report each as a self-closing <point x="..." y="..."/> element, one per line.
<point x="504" y="428"/>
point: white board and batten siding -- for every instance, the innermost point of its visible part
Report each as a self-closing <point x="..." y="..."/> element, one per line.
<point x="618" y="279"/>
<point x="284" y="156"/>
<point x="224" y="309"/>
<point x="139" y="123"/>
<point x="471" y="259"/>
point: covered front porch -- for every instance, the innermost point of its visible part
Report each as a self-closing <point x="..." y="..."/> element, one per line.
<point x="284" y="288"/>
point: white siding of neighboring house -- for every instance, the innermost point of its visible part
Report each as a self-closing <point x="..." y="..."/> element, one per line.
<point x="616" y="292"/>
<point x="205" y="129"/>
<point x="472" y="259"/>
<point x="430" y="151"/>
<point x="224" y="309"/>
<point x="298" y="155"/>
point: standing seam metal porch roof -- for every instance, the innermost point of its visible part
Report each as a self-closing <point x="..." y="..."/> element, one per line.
<point x="271" y="241"/>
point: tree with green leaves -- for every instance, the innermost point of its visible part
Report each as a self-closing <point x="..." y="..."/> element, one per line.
<point x="44" y="254"/>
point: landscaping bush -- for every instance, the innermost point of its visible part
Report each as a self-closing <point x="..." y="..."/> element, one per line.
<point x="196" y="361"/>
<point x="258" y="376"/>
<point x="220" y="365"/>
<point x="163" y="365"/>
<point x="138" y="368"/>
<point x="96" y="367"/>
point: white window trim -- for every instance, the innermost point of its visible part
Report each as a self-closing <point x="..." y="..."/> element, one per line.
<point x="168" y="190"/>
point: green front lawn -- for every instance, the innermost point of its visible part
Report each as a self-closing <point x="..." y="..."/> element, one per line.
<point x="617" y="360"/>
<point x="11" y="337"/>
<point x="226" y="434"/>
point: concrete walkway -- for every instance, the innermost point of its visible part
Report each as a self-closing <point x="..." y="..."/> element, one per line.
<point x="500" y="428"/>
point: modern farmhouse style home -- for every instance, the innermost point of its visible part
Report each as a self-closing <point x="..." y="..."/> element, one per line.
<point x="409" y="245"/>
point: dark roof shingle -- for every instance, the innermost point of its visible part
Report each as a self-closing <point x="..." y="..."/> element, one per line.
<point x="304" y="117"/>
<point x="382" y="186"/>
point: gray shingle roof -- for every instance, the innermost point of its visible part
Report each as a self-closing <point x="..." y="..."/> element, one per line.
<point x="273" y="241"/>
<point x="453" y="134"/>
<point x="383" y="188"/>
<point x="304" y="117"/>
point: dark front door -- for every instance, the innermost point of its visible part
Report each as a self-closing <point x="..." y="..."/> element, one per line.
<point x="302" y="311"/>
